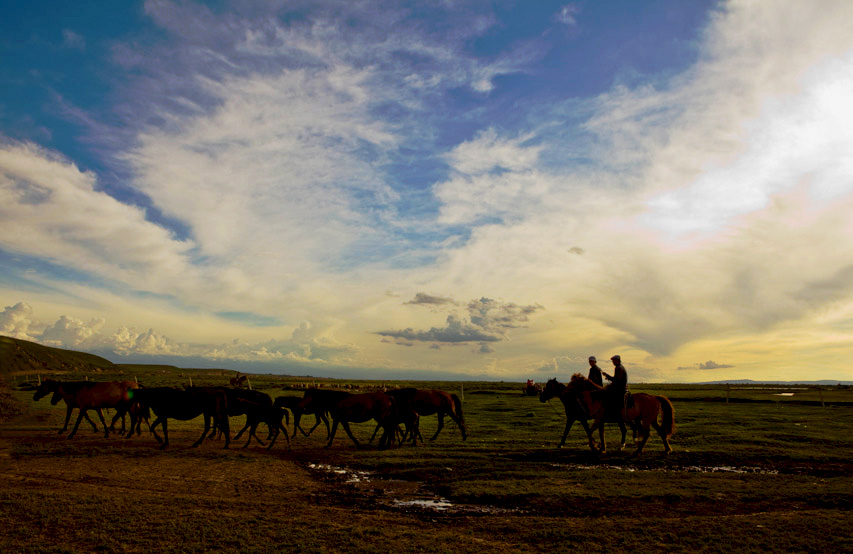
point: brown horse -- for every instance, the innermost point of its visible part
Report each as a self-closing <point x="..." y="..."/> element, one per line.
<point x="582" y="400"/>
<point x="185" y="404"/>
<point x="406" y="415"/>
<point x="49" y="386"/>
<point x="90" y="395"/>
<point x="359" y="408"/>
<point x="427" y="402"/>
<point x="641" y="412"/>
<point x="644" y="413"/>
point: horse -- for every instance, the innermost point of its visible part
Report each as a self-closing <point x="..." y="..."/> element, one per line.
<point x="49" y="386"/>
<point x="406" y="414"/>
<point x="643" y="413"/>
<point x="258" y="408"/>
<point x="291" y="403"/>
<point x="577" y="399"/>
<point x="185" y="404"/>
<point x="90" y="395"/>
<point x="355" y="408"/>
<point x="318" y="402"/>
<point x="427" y="402"/>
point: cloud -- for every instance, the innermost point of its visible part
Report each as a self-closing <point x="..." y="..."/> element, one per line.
<point x="710" y="364"/>
<point x="487" y="321"/>
<point x="70" y="39"/>
<point x="568" y="14"/>
<point x="15" y="321"/>
<point x="429" y="300"/>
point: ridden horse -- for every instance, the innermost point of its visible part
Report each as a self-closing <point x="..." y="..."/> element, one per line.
<point x="643" y="413"/>
<point x="356" y="408"/>
<point x="90" y="395"/>
<point x="185" y="404"/>
<point x="318" y="402"/>
<point x="582" y="401"/>
<point x="427" y="402"/>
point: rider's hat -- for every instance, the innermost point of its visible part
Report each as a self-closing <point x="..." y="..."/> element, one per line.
<point x="592" y="359"/>
<point x="616" y="357"/>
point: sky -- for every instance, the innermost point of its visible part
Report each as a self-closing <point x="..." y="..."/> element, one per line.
<point x="432" y="190"/>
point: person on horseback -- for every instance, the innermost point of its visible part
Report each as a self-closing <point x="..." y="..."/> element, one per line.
<point x="616" y="391"/>
<point x="595" y="372"/>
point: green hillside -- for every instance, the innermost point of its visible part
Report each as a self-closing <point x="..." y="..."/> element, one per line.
<point x="21" y="357"/>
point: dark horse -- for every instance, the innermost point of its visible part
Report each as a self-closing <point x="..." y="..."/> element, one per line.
<point x="358" y="408"/>
<point x="318" y="402"/>
<point x="185" y="404"/>
<point x="258" y="408"/>
<point x="579" y="408"/>
<point x="406" y="415"/>
<point x="89" y="395"/>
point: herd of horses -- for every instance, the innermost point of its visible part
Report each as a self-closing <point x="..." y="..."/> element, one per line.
<point x="393" y="410"/>
<point x="396" y="412"/>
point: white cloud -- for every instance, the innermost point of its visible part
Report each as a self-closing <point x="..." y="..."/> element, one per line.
<point x="15" y="321"/>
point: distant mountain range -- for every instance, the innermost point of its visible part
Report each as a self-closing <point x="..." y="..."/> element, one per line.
<point x="822" y="382"/>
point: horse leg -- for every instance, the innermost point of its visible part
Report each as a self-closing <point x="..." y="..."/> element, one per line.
<point x="165" y="442"/>
<point x="644" y="434"/>
<point x="345" y="425"/>
<point x="77" y="423"/>
<point x="440" y="425"/>
<point x="624" y="434"/>
<point x="375" y="431"/>
<point x="666" y="447"/>
<point x="569" y="423"/>
<point x="68" y="409"/>
<point x="103" y="422"/>
<point x="332" y="432"/>
<point x="200" y="440"/>
<point x="153" y="429"/>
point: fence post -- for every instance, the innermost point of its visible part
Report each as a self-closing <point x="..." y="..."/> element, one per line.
<point x="462" y="391"/>
<point x="728" y="391"/>
<point x="820" y="391"/>
<point x="249" y="383"/>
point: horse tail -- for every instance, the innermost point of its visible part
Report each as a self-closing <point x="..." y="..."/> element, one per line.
<point x="668" y="419"/>
<point x="457" y="407"/>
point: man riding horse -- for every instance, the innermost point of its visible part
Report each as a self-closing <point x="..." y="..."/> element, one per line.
<point x="616" y="395"/>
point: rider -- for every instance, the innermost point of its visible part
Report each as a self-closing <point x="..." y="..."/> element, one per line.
<point x="618" y="384"/>
<point x="594" y="372"/>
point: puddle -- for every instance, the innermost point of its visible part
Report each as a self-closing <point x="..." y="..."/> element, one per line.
<point x="676" y="469"/>
<point x="352" y="476"/>
<point x="439" y="504"/>
<point x="403" y="495"/>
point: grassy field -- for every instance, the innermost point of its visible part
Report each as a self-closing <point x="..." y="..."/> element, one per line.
<point x="767" y="471"/>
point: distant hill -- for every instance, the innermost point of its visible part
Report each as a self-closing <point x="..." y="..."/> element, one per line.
<point x="822" y="382"/>
<point x="21" y="357"/>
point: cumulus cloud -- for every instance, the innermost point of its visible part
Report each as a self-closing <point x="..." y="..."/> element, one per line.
<point x="15" y="321"/>
<point x="487" y="321"/>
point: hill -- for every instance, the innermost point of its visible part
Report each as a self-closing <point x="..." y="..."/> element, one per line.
<point x="21" y="357"/>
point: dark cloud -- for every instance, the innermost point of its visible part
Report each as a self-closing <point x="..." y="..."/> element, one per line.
<point x="423" y="299"/>
<point x="487" y="322"/>
<point x="576" y="250"/>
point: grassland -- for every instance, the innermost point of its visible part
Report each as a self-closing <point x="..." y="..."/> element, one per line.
<point x="759" y="473"/>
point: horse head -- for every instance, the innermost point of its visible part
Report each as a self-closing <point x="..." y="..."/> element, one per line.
<point x="552" y="388"/>
<point x="46" y="387"/>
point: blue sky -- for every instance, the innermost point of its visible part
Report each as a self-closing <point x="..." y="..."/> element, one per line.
<point x="456" y="189"/>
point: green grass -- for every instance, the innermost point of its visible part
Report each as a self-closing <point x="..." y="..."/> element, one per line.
<point x="782" y="481"/>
